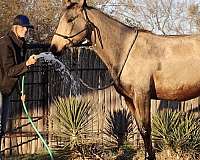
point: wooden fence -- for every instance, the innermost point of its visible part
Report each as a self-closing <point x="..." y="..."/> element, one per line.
<point x="43" y="84"/>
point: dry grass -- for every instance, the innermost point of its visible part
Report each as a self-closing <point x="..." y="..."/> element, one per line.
<point x="164" y="155"/>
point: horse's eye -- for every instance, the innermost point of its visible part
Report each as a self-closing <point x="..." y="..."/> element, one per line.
<point x="71" y="19"/>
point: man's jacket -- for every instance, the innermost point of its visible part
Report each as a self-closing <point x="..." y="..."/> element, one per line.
<point x="10" y="70"/>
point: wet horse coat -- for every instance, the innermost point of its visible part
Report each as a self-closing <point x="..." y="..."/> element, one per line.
<point x="147" y="66"/>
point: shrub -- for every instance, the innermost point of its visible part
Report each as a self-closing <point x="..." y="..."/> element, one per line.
<point x="119" y="130"/>
<point x="177" y="131"/>
<point x="74" y="118"/>
<point x="119" y="127"/>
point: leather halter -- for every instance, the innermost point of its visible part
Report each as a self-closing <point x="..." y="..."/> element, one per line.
<point x="89" y="27"/>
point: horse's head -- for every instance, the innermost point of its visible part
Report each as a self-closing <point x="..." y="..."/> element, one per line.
<point x="73" y="28"/>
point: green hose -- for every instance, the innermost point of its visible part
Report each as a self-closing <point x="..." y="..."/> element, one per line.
<point x="30" y="120"/>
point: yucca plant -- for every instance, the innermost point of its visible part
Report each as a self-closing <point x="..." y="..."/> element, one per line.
<point x="119" y="127"/>
<point x="163" y="124"/>
<point x="73" y="118"/>
<point x="177" y="131"/>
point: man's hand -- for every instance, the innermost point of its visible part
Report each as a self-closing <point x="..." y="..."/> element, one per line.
<point x="23" y="97"/>
<point x="32" y="60"/>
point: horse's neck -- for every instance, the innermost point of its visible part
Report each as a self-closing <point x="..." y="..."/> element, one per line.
<point x="116" y="40"/>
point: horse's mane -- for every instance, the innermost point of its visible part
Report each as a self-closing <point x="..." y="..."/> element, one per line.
<point x="107" y="15"/>
<point x="116" y="20"/>
<point x="69" y="6"/>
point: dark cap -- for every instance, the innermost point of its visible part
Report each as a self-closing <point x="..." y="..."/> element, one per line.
<point x="22" y="20"/>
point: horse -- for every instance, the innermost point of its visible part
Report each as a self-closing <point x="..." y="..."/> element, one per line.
<point x="143" y="65"/>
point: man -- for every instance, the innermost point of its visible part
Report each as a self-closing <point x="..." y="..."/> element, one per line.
<point x="12" y="64"/>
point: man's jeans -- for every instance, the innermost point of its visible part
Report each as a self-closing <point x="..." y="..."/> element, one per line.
<point x="4" y="113"/>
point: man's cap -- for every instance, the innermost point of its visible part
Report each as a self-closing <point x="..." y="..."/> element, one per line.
<point x="22" y="20"/>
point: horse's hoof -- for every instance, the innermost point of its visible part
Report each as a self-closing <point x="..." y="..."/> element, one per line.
<point x="150" y="158"/>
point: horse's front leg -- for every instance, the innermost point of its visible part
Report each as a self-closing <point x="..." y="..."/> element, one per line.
<point x="142" y="105"/>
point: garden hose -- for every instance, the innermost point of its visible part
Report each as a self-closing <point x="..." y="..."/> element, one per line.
<point x="30" y="120"/>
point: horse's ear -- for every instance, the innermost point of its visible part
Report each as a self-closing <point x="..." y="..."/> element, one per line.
<point x="67" y="2"/>
<point x="82" y="3"/>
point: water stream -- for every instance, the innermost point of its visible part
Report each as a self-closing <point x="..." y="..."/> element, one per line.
<point x="66" y="76"/>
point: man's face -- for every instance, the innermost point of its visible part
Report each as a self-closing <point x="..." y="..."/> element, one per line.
<point x="21" y="31"/>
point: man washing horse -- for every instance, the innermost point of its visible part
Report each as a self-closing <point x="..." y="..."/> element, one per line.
<point x="12" y="64"/>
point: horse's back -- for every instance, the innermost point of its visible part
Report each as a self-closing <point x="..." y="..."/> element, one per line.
<point x="172" y="61"/>
<point x="170" y="46"/>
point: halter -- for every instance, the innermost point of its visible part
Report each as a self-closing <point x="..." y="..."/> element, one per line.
<point x="89" y="27"/>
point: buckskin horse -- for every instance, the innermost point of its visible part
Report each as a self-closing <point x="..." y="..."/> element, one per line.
<point x="143" y="65"/>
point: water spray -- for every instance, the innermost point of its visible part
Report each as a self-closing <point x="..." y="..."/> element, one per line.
<point x="61" y="68"/>
<point x="47" y="57"/>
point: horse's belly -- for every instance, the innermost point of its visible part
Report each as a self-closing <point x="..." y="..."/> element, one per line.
<point x="178" y="94"/>
<point x="177" y="87"/>
<point x="178" y="82"/>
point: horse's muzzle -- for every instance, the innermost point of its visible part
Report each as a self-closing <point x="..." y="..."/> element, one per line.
<point x="54" y="50"/>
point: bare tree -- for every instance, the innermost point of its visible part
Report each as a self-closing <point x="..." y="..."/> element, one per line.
<point x="194" y="16"/>
<point x="8" y="10"/>
<point x="159" y="16"/>
<point x="43" y="14"/>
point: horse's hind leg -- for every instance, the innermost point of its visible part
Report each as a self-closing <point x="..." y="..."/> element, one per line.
<point x="140" y="107"/>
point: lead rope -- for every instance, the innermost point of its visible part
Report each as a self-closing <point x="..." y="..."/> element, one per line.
<point x="118" y="75"/>
<point x="30" y="120"/>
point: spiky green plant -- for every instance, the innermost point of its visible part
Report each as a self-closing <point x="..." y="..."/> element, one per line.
<point x="177" y="131"/>
<point x="163" y="124"/>
<point x="73" y="118"/>
<point x="119" y="127"/>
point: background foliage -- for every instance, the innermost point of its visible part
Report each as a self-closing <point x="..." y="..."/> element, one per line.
<point x="159" y="16"/>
